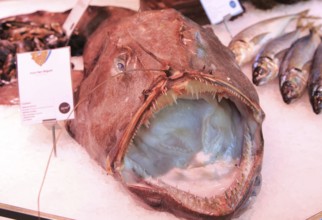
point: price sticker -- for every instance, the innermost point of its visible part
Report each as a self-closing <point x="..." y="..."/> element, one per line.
<point x="74" y="16"/>
<point x="218" y="10"/>
<point x="45" y="85"/>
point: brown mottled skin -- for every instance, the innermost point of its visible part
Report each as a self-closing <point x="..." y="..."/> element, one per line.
<point x="160" y="50"/>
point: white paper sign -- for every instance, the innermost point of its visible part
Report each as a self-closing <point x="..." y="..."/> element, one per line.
<point x="217" y="10"/>
<point x="74" y="16"/>
<point x="45" y="86"/>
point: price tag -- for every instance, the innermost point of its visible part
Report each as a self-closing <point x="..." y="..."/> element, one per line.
<point x="74" y="16"/>
<point x="218" y="10"/>
<point x="45" y="86"/>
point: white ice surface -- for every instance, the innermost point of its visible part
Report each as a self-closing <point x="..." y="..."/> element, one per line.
<point x="76" y="187"/>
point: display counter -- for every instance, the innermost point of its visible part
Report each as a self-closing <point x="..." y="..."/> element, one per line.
<point x="76" y="187"/>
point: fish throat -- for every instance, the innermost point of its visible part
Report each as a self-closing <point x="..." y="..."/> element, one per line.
<point x="189" y="145"/>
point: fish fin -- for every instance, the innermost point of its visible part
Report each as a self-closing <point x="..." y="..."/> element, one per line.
<point x="258" y="38"/>
<point x="9" y="94"/>
<point x="303" y="15"/>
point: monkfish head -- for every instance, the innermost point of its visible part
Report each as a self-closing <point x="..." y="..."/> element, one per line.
<point x="167" y="111"/>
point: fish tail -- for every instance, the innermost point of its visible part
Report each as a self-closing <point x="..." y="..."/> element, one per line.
<point x="307" y="21"/>
<point x="300" y="16"/>
<point x="304" y="26"/>
<point x="303" y="13"/>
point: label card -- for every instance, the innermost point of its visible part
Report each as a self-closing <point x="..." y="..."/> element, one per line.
<point x="74" y="16"/>
<point x="45" y="85"/>
<point x="218" y="10"/>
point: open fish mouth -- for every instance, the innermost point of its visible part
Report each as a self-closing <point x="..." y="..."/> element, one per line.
<point x="193" y="144"/>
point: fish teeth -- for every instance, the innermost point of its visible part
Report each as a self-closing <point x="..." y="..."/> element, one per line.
<point x="147" y="123"/>
<point x="219" y="98"/>
<point x="174" y="97"/>
<point x="154" y="106"/>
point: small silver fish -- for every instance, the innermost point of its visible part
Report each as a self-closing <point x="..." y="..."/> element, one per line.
<point x="315" y="81"/>
<point x="267" y="62"/>
<point x="296" y="65"/>
<point x="248" y="42"/>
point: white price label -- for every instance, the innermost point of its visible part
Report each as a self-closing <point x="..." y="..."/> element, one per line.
<point x="45" y="85"/>
<point x="74" y="16"/>
<point x="218" y="10"/>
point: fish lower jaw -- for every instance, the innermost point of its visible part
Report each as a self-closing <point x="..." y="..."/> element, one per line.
<point x="158" y="193"/>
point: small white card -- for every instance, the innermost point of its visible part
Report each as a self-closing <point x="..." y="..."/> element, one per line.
<point x="74" y="16"/>
<point x="45" y="85"/>
<point x="218" y="10"/>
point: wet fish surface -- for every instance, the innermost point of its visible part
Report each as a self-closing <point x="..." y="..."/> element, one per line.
<point x="166" y="110"/>
<point x="296" y="66"/>
<point x="266" y="65"/>
<point x="247" y="43"/>
<point x="315" y="81"/>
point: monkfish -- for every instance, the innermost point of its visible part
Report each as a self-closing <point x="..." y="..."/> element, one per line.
<point x="166" y="110"/>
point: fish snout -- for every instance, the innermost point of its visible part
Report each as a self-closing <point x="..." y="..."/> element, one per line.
<point x="288" y="91"/>
<point x="259" y="74"/>
<point x="317" y="101"/>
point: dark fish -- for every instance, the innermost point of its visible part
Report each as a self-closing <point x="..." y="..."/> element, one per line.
<point x="315" y="81"/>
<point x="267" y="62"/>
<point x="165" y="108"/>
<point x="296" y="66"/>
<point x="247" y="43"/>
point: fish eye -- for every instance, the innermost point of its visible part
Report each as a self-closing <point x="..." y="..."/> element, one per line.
<point x="120" y="66"/>
<point x="121" y="61"/>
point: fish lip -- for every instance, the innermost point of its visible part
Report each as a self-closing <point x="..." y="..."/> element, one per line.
<point x="250" y="166"/>
<point x="316" y="101"/>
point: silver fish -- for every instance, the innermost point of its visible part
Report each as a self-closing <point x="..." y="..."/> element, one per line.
<point x="248" y="42"/>
<point x="315" y="81"/>
<point x="296" y="65"/>
<point x="267" y="62"/>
